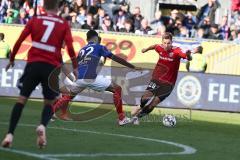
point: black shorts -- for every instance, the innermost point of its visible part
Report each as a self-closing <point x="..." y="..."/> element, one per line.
<point x="40" y="72"/>
<point x="160" y="89"/>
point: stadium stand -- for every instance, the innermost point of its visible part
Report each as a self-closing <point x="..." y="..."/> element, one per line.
<point x="185" y="19"/>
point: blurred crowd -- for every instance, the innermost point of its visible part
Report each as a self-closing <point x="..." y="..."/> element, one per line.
<point x="89" y="14"/>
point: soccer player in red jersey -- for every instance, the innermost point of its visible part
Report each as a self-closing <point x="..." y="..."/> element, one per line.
<point x="48" y="32"/>
<point x="163" y="78"/>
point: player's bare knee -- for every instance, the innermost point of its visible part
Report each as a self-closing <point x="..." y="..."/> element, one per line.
<point x="22" y="100"/>
<point x="117" y="89"/>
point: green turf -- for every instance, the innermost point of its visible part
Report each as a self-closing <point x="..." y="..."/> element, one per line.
<point x="214" y="135"/>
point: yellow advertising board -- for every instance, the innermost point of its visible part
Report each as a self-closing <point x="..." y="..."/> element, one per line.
<point x="218" y="54"/>
<point x="128" y="47"/>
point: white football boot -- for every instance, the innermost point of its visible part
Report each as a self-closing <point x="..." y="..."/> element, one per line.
<point x="135" y="120"/>
<point x="7" y="142"/>
<point x="124" y="121"/>
<point x="41" y="136"/>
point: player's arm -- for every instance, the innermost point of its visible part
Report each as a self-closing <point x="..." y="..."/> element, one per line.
<point x="26" y="31"/>
<point x="117" y="59"/>
<point x="186" y="55"/>
<point x="188" y="66"/>
<point x="68" y="73"/>
<point x="123" y="62"/>
<point x="152" y="47"/>
<point x="71" y="52"/>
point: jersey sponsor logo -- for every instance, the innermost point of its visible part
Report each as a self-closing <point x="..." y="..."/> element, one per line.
<point x="189" y="90"/>
<point x="171" y="54"/>
<point x="166" y="58"/>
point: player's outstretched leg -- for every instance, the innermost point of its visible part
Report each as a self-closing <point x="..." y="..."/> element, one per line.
<point x="62" y="103"/>
<point x="145" y="100"/>
<point x="144" y="109"/>
<point x="15" y="116"/>
<point x="117" y="99"/>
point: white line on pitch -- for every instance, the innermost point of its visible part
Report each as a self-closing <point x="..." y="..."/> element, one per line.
<point x="28" y="154"/>
<point x="186" y="149"/>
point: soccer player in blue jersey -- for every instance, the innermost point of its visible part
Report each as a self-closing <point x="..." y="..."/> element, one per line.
<point x="88" y="61"/>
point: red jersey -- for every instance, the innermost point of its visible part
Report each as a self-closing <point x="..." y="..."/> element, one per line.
<point x="167" y="66"/>
<point x="48" y="32"/>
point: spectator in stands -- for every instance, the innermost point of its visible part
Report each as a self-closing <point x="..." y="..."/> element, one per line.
<point x="200" y="34"/>
<point x="40" y="3"/>
<point x="119" y="20"/>
<point x="82" y="16"/>
<point x="26" y="6"/>
<point x="137" y="18"/>
<point x="214" y="33"/>
<point x="4" y="47"/>
<point x="237" y="21"/>
<point x="93" y="6"/>
<point x="4" y="7"/>
<point x="161" y="30"/>
<point x="190" y="23"/>
<point x="174" y="15"/>
<point x="99" y="17"/>
<point x="128" y="26"/>
<point x="76" y="5"/>
<point x="224" y="28"/>
<point x="74" y="23"/>
<point x="184" y="32"/>
<point x="65" y="13"/>
<point x="124" y="7"/>
<point x="206" y="25"/>
<point x="175" y="27"/>
<point x="157" y="20"/>
<point x="233" y="33"/>
<point x="198" y="62"/>
<point x="208" y="10"/>
<point x="237" y="37"/>
<point x="107" y="24"/>
<point x="145" y="28"/>
<point x="11" y="16"/>
<point x="89" y="24"/>
<point x="23" y="18"/>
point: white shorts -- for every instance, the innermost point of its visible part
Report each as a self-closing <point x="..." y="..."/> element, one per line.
<point x="100" y="84"/>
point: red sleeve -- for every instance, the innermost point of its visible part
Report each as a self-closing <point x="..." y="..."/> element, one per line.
<point x="181" y="54"/>
<point x="158" y="48"/>
<point x="26" y="31"/>
<point x="69" y="43"/>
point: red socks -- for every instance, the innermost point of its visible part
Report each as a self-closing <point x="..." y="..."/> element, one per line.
<point x="117" y="99"/>
<point x="62" y="103"/>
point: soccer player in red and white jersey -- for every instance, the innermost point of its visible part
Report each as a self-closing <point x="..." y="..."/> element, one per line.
<point x="48" y="32"/>
<point x="163" y="78"/>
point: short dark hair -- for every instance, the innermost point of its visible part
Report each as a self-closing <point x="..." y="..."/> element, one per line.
<point x="91" y="33"/>
<point x="51" y="4"/>
<point x="167" y="35"/>
<point x="199" y="49"/>
<point x="1" y="36"/>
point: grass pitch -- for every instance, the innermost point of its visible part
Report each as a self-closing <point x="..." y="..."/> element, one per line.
<point x="207" y="136"/>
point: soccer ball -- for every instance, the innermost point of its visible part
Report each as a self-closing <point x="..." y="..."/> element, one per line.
<point x="169" y="120"/>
